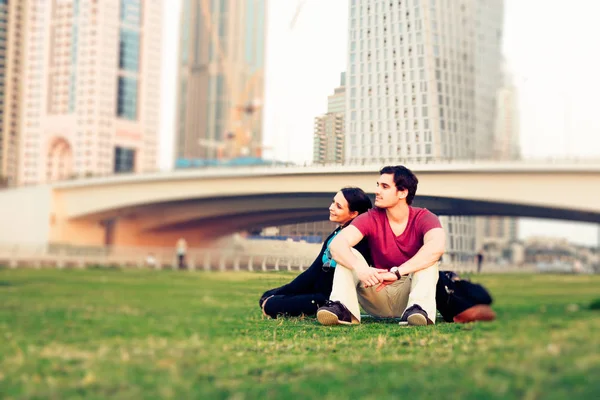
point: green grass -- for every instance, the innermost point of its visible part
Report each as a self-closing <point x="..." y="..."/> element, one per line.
<point x="161" y="334"/>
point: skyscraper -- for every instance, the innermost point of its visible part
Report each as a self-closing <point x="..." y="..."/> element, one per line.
<point x="12" y="15"/>
<point x="220" y="81"/>
<point x="421" y="86"/>
<point x="91" y="91"/>
<point x="329" y="129"/>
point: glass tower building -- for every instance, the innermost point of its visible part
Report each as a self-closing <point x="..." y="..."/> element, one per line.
<point x="221" y="62"/>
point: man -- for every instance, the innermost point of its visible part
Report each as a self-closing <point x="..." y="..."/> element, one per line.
<point x="479" y="261"/>
<point x="181" y="251"/>
<point x="406" y="243"/>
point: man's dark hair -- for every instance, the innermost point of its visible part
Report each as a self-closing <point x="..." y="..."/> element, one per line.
<point x="357" y="199"/>
<point x="404" y="179"/>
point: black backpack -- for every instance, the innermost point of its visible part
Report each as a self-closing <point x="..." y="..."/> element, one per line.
<point x="455" y="295"/>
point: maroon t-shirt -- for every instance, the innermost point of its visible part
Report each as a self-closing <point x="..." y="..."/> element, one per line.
<point x="387" y="249"/>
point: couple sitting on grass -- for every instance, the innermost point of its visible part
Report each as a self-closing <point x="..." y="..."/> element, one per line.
<point x="384" y="258"/>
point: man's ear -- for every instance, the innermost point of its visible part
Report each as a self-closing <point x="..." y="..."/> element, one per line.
<point x="403" y="194"/>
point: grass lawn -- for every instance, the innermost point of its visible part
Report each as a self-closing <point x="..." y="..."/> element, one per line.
<point x="162" y="334"/>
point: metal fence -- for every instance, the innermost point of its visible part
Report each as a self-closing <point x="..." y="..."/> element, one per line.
<point x="39" y="256"/>
<point x="159" y="258"/>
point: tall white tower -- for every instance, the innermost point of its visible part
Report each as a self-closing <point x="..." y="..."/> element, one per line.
<point x="421" y="86"/>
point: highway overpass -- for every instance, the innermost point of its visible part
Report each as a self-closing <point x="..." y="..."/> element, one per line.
<point x="204" y="204"/>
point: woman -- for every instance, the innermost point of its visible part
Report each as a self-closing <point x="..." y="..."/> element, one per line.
<point x="311" y="289"/>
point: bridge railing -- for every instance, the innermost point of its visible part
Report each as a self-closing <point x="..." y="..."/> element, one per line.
<point x="221" y="259"/>
<point x="236" y="258"/>
<point x="403" y="160"/>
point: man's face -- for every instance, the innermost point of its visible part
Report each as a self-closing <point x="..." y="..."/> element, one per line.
<point x="386" y="194"/>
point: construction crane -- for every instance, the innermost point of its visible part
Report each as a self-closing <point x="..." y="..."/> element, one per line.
<point x="245" y="108"/>
<point x="237" y="138"/>
<point x="297" y="14"/>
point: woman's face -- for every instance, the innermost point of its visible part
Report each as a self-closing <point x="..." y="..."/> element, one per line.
<point x="339" y="211"/>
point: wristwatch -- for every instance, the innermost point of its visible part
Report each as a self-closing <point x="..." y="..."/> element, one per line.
<point x="396" y="271"/>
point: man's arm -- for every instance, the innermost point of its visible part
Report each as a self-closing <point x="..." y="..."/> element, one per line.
<point x="434" y="245"/>
<point x="341" y="251"/>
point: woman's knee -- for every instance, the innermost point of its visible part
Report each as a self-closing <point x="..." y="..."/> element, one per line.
<point x="266" y="295"/>
<point x="294" y="306"/>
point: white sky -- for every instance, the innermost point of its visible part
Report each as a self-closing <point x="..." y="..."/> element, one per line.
<point x="552" y="50"/>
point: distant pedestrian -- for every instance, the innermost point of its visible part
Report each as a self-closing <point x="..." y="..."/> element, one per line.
<point x="151" y="260"/>
<point x="479" y="261"/>
<point x="181" y="252"/>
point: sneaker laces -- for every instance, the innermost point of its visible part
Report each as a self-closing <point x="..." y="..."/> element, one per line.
<point x="412" y="308"/>
<point x="409" y="311"/>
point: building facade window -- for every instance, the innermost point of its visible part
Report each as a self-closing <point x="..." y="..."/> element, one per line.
<point x="131" y="12"/>
<point x="124" y="159"/>
<point x="127" y="98"/>
<point x="129" y="50"/>
<point x="129" y="59"/>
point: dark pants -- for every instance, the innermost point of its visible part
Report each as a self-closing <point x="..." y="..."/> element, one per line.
<point x="294" y="305"/>
<point x="303" y="296"/>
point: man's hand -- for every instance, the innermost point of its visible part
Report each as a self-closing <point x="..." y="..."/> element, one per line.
<point x="387" y="278"/>
<point x="368" y="276"/>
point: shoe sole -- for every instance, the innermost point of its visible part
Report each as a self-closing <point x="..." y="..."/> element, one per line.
<point x="328" y="318"/>
<point x="417" y="320"/>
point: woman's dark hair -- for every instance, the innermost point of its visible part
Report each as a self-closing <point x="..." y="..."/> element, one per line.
<point x="357" y="199"/>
